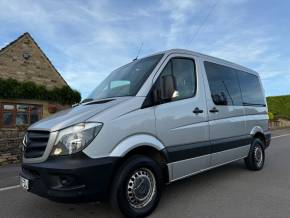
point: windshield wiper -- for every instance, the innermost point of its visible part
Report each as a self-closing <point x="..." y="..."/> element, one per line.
<point x="87" y="100"/>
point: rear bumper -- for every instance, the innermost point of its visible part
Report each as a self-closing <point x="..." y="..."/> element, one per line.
<point x="268" y="137"/>
<point x="71" y="178"/>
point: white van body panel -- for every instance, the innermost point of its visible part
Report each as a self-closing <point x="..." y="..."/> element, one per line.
<point x="136" y="141"/>
<point x="229" y="155"/>
<point x="74" y="115"/>
<point x="188" y="167"/>
<point x="128" y="119"/>
<point x="258" y="119"/>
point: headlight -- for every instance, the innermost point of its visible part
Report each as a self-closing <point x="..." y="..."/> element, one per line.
<point x="75" y="138"/>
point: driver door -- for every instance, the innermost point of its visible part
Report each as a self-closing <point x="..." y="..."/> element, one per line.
<point x="181" y="122"/>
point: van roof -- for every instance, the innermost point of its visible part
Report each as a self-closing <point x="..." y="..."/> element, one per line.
<point x="185" y="51"/>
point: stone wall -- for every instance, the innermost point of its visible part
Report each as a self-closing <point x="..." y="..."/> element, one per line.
<point x="279" y="123"/>
<point x="11" y="138"/>
<point x="10" y="146"/>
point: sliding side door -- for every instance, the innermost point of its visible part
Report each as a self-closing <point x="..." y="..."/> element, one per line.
<point x="226" y="114"/>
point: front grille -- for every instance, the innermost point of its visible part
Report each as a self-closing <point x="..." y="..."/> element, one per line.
<point x="35" y="143"/>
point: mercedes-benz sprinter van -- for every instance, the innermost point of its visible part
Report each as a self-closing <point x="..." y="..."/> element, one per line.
<point x="151" y="122"/>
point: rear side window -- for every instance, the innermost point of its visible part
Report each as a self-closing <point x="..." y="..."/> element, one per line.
<point x="224" y="84"/>
<point x="251" y="89"/>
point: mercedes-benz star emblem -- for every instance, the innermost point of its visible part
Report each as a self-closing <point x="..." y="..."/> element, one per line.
<point x="25" y="142"/>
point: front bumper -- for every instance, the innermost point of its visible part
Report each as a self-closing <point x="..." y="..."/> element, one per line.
<point x="71" y="178"/>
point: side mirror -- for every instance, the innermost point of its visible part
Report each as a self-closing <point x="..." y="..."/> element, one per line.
<point x="164" y="89"/>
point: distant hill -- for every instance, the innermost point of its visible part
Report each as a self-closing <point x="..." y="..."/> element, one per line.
<point x="279" y="106"/>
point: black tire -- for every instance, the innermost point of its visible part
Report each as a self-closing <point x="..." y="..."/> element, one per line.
<point x="124" y="200"/>
<point x="256" y="158"/>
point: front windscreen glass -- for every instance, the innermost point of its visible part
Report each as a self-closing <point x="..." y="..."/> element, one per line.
<point x="126" y="80"/>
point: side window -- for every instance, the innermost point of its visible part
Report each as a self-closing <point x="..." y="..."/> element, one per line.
<point x="224" y="84"/>
<point x="183" y="71"/>
<point x="251" y="89"/>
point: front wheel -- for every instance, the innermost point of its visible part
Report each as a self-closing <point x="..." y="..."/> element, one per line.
<point x="256" y="157"/>
<point x="136" y="189"/>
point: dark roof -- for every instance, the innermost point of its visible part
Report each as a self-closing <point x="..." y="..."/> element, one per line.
<point x="30" y="37"/>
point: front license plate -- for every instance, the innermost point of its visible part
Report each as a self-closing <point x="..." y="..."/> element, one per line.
<point x="24" y="183"/>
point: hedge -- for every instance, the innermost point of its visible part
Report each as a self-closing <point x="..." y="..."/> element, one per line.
<point x="279" y="106"/>
<point x="12" y="89"/>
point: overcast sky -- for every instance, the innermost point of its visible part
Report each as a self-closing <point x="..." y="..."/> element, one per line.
<point x="86" y="40"/>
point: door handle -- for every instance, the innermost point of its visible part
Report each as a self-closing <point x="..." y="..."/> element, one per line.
<point x="197" y="111"/>
<point x="214" y="110"/>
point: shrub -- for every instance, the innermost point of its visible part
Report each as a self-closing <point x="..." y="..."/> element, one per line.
<point x="279" y="106"/>
<point x="12" y="89"/>
<point x="271" y="116"/>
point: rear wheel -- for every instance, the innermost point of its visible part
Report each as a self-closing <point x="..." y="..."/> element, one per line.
<point x="256" y="157"/>
<point x="136" y="189"/>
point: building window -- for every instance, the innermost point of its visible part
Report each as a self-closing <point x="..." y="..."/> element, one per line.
<point x="13" y="115"/>
<point x="8" y="115"/>
<point x="22" y="112"/>
<point x="35" y="113"/>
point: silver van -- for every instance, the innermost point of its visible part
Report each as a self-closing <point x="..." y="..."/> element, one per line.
<point x="151" y="122"/>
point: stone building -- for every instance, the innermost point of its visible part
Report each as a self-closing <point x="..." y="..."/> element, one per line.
<point x="23" y="60"/>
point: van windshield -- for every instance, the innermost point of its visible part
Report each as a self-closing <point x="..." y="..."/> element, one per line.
<point x="126" y="80"/>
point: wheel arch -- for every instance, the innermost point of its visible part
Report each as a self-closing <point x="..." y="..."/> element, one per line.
<point x="135" y="141"/>
<point x="258" y="132"/>
<point x="146" y="145"/>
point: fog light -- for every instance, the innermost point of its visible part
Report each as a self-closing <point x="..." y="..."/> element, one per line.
<point x="66" y="180"/>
